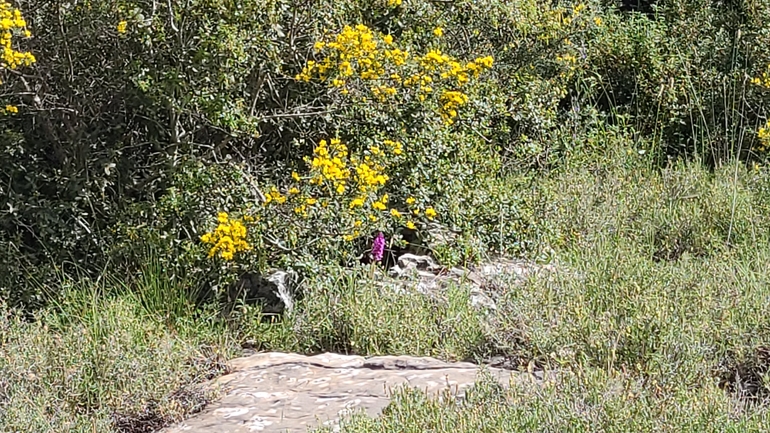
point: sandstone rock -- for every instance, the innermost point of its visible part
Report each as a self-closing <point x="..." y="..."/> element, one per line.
<point x="279" y="392"/>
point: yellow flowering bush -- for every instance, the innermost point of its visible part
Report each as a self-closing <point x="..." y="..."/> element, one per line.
<point x="408" y="130"/>
<point x="350" y="186"/>
<point x="361" y="63"/>
<point x="408" y="126"/>
<point x="345" y="188"/>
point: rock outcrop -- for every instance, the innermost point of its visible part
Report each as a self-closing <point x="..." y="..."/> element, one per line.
<point x="279" y="392"/>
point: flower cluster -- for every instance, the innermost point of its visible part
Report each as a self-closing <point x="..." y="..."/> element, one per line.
<point x="378" y="247"/>
<point x="12" y="23"/>
<point x="330" y="163"/>
<point x="356" y="181"/>
<point x="358" y="58"/>
<point x="763" y="134"/>
<point x="763" y="80"/>
<point x="450" y="68"/>
<point x="352" y="51"/>
<point x="548" y="21"/>
<point x="275" y="196"/>
<point x="228" y="238"/>
<point x="450" y="102"/>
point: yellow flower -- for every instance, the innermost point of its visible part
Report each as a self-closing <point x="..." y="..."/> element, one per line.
<point x="275" y="195"/>
<point x="430" y="213"/>
<point x="438" y="31"/>
<point x="395" y="213"/>
<point x="379" y="205"/>
<point x="122" y="27"/>
<point x="11" y="109"/>
<point x="340" y="189"/>
<point x="485" y="62"/>
<point x="295" y="176"/>
<point x="393" y="3"/>
<point x="410" y="200"/>
<point x="228" y="238"/>
<point x="388" y="39"/>
<point x="293" y="190"/>
<point x="410" y="225"/>
<point x="311" y="201"/>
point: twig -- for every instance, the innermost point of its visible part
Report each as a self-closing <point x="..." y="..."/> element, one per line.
<point x="291" y="115"/>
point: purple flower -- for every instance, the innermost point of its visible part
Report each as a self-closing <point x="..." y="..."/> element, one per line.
<point x="378" y="247"/>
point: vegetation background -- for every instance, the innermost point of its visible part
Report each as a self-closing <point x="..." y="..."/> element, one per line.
<point x="153" y="152"/>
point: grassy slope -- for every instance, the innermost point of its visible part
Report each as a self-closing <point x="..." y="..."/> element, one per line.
<point x="661" y="302"/>
<point x="658" y="321"/>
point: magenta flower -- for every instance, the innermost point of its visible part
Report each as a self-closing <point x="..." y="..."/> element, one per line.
<point x="378" y="247"/>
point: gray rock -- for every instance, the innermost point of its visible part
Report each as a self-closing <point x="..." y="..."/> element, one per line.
<point x="280" y="392"/>
<point x="485" y="282"/>
<point x="275" y="293"/>
<point x="423" y="263"/>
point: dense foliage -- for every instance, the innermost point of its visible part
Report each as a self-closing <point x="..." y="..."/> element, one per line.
<point x="231" y="136"/>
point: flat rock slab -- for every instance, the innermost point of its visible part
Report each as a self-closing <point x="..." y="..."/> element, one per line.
<point x="281" y="392"/>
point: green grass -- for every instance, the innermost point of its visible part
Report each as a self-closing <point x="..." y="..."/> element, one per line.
<point x="345" y="312"/>
<point x="588" y="400"/>
<point x="75" y="368"/>
<point x="656" y="321"/>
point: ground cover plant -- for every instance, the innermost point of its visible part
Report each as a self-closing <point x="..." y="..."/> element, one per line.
<point x="627" y="148"/>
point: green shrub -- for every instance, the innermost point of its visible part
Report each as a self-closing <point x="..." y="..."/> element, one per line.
<point x="214" y="106"/>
